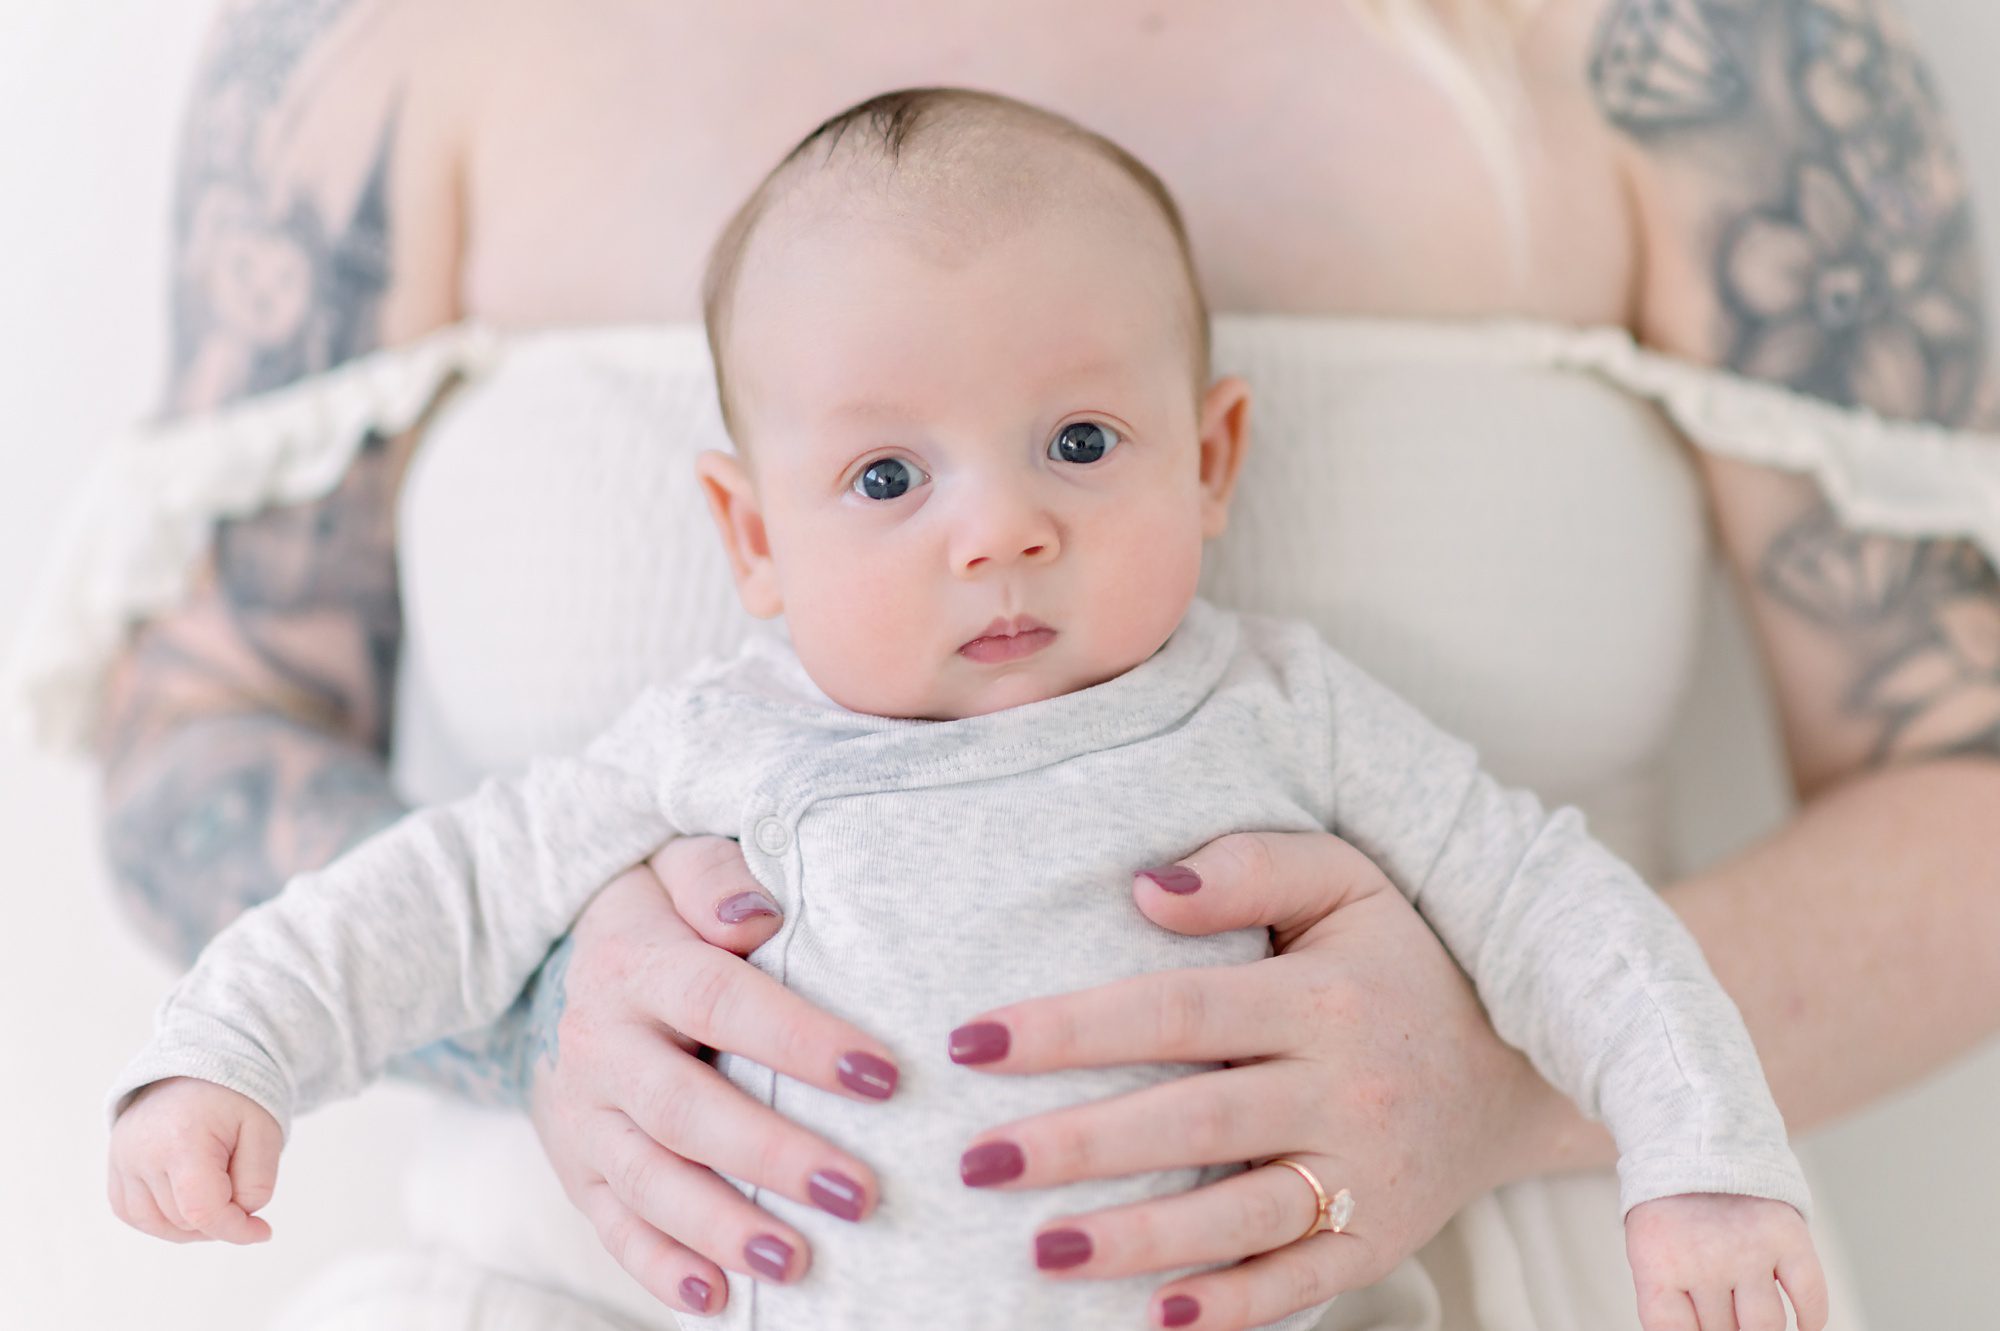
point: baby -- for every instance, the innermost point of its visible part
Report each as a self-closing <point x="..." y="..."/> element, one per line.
<point x="964" y="360"/>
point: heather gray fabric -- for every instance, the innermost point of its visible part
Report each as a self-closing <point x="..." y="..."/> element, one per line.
<point x="929" y="870"/>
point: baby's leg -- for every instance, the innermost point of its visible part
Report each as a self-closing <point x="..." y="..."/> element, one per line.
<point x="430" y="1289"/>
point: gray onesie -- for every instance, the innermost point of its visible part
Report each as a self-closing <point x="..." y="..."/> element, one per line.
<point x="932" y="869"/>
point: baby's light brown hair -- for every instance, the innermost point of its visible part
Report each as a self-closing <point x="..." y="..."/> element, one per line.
<point x="953" y="155"/>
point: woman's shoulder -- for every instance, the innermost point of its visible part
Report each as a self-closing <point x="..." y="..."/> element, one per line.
<point x="314" y="191"/>
<point x="138" y="531"/>
<point x="387" y="389"/>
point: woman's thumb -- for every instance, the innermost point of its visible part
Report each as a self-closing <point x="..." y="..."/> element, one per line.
<point x="1286" y="881"/>
<point x="715" y="894"/>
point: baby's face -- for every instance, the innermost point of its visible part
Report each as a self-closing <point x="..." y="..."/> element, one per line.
<point x="984" y="477"/>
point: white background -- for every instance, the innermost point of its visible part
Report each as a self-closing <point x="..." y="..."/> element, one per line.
<point x="90" y="98"/>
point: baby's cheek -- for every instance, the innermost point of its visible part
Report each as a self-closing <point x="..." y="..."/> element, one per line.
<point x="1150" y="576"/>
<point x="868" y="651"/>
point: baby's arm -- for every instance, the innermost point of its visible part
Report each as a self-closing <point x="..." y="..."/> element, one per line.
<point x="1580" y="965"/>
<point x="429" y="928"/>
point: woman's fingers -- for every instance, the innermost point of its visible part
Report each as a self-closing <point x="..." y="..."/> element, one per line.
<point x="700" y="1210"/>
<point x="712" y="997"/>
<point x="1207" y="1014"/>
<point x="1270" y="1286"/>
<point x="697" y="1114"/>
<point x="669" y="1271"/>
<point x="632" y="1119"/>
<point x="712" y="888"/>
<point x="1426" y="1122"/>
<point x="1285" y="881"/>
<point x="1218" y="1117"/>
<point x="723" y="1002"/>
<point x="1257" y="1211"/>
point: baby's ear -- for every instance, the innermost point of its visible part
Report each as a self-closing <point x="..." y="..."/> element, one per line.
<point x="1225" y="436"/>
<point x="739" y="519"/>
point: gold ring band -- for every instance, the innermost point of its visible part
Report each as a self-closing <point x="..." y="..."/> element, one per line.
<point x="1330" y="1214"/>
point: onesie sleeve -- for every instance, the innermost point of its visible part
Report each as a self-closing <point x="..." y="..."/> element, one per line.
<point x="1578" y="962"/>
<point x="429" y="928"/>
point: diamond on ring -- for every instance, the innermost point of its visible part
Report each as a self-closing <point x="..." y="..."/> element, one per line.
<point x="1339" y="1210"/>
<point x="1330" y="1214"/>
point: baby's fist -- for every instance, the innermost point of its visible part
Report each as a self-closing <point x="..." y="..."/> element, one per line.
<point x="192" y="1160"/>
<point x="1712" y="1262"/>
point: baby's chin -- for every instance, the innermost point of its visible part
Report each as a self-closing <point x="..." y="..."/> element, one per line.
<point x="961" y="699"/>
<point x="1021" y="688"/>
<point x="1001" y="699"/>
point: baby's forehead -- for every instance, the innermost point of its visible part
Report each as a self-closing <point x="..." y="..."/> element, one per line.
<point x="841" y="215"/>
<point x="952" y="195"/>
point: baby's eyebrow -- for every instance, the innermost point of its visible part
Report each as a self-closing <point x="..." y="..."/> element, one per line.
<point x="869" y="409"/>
<point x="1097" y="367"/>
<point x="874" y="410"/>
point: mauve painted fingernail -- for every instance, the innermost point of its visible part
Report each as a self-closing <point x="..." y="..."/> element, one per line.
<point x="696" y="1293"/>
<point x="835" y="1194"/>
<point x="736" y="909"/>
<point x="995" y="1162"/>
<point x="1180" y="1310"/>
<point x="1060" y="1249"/>
<point x="981" y="1042"/>
<point x="867" y="1075"/>
<point x="1173" y="878"/>
<point x="768" y="1255"/>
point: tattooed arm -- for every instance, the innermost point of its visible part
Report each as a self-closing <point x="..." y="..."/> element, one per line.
<point x="1805" y="220"/>
<point x="247" y="731"/>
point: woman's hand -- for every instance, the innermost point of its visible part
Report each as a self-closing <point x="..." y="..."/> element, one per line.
<point x="1359" y="1051"/>
<point x="635" y="1122"/>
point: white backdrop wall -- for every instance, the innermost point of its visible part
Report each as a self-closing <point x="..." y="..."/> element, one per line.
<point x="89" y="99"/>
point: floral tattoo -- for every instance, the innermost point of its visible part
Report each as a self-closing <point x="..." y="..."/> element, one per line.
<point x="1855" y="278"/>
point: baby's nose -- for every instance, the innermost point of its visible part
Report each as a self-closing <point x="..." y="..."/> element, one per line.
<point x="1002" y="553"/>
<point x="997" y="531"/>
<point x="1028" y="553"/>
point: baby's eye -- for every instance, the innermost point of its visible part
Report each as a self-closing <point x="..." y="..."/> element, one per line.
<point x="1083" y="441"/>
<point x="886" y="478"/>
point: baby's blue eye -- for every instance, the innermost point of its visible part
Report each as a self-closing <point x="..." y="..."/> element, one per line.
<point x="1083" y="441"/>
<point x="886" y="478"/>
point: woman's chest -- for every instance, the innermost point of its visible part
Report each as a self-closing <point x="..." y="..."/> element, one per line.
<point x="1319" y="168"/>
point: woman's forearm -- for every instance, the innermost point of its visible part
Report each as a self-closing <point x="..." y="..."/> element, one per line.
<point x="216" y="813"/>
<point x="219" y="812"/>
<point x="1861" y="941"/>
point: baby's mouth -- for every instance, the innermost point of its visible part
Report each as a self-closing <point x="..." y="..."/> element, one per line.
<point x="1009" y="640"/>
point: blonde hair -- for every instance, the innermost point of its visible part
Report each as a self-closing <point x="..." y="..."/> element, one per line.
<point x="1467" y="48"/>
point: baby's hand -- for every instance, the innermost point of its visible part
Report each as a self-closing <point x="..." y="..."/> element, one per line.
<point x="1714" y="1262"/>
<point x="191" y="1160"/>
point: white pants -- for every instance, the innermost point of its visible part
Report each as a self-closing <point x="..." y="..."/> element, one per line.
<point x="1543" y="1255"/>
<point x="431" y="1289"/>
